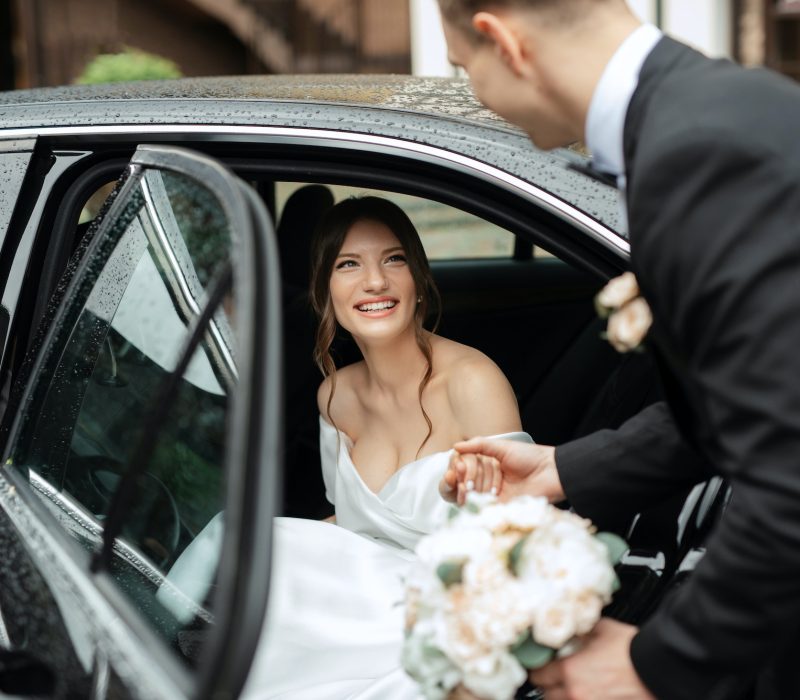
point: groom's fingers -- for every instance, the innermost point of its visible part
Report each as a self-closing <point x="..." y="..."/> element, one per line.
<point x="488" y="448"/>
<point x="548" y="676"/>
<point x="472" y="446"/>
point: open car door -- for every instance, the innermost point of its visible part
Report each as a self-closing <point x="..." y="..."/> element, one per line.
<point x="149" y="447"/>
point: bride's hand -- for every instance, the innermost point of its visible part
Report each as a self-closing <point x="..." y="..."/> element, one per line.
<point x="527" y="469"/>
<point x="470" y="472"/>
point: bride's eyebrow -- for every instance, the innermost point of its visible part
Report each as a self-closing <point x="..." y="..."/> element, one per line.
<point x="383" y="252"/>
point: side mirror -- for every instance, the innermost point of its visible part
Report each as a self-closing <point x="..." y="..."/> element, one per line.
<point x="23" y="674"/>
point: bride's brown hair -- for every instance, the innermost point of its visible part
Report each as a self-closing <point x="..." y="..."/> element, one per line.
<point x="326" y="245"/>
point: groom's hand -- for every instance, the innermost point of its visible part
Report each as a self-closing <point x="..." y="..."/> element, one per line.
<point x="525" y="469"/>
<point x="600" y="669"/>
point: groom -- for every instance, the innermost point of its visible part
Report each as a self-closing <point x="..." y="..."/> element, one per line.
<point x="709" y="157"/>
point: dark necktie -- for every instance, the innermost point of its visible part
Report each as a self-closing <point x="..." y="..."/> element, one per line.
<point x="601" y="176"/>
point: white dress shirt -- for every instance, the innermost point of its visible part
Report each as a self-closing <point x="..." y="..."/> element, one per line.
<point x="605" y="122"/>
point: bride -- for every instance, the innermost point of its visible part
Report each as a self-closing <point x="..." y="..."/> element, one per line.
<point x="334" y="625"/>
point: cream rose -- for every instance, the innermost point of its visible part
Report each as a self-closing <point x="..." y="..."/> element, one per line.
<point x="617" y="292"/>
<point x="628" y="326"/>
<point x="495" y="676"/>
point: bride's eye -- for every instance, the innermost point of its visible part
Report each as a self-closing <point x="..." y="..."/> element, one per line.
<point x="397" y="257"/>
<point x="345" y="263"/>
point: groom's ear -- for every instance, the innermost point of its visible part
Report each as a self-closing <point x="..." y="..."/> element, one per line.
<point x="508" y="40"/>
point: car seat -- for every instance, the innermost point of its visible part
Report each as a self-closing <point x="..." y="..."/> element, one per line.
<point x="304" y="491"/>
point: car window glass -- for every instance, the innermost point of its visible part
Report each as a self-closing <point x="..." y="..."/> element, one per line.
<point x="123" y="329"/>
<point x="447" y="233"/>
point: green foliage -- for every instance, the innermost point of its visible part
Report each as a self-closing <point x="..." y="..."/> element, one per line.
<point x="515" y="554"/>
<point x="450" y="572"/>
<point x="131" y="64"/>
<point x="615" y="544"/>
<point x="530" y="654"/>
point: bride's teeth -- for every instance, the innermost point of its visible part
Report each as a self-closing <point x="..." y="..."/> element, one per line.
<point x="378" y="306"/>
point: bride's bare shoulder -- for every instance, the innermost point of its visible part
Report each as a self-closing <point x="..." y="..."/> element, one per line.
<point x="345" y="396"/>
<point x="480" y="395"/>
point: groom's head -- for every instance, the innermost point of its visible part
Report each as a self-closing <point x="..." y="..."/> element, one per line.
<point x="553" y="12"/>
<point x="536" y="62"/>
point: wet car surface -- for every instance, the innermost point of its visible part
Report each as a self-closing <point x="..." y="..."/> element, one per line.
<point x="158" y="388"/>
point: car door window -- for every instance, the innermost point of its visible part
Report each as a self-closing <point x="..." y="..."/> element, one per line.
<point x="123" y="328"/>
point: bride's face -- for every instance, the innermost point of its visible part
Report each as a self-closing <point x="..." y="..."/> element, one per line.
<point x="371" y="287"/>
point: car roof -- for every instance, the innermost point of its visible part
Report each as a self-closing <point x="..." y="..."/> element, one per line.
<point x="436" y="96"/>
<point x="437" y="112"/>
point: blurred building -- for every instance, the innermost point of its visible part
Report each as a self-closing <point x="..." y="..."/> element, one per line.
<point x="48" y="42"/>
<point x="52" y="40"/>
<point x="752" y="32"/>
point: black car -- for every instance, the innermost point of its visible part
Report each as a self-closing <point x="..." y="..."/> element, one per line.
<point x="157" y="381"/>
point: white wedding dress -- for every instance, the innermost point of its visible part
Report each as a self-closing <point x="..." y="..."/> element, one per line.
<point x="334" y="627"/>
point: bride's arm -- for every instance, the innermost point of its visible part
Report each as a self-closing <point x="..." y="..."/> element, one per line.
<point x="483" y="403"/>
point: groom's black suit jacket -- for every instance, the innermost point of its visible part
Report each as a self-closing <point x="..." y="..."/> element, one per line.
<point x="712" y="156"/>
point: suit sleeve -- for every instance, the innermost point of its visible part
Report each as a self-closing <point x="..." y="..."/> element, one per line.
<point x="611" y="475"/>
<point x="722" y="261"/>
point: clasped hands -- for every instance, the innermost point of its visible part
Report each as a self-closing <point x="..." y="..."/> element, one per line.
<point x="508" y="468"/>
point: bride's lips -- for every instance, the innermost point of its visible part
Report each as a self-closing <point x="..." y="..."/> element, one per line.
<point x="378" y="313"/>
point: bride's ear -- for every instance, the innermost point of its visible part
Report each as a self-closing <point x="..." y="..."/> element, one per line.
<point x="506" y="38"/>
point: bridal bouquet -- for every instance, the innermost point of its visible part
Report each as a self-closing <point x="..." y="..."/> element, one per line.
<point x="501" y="588"/>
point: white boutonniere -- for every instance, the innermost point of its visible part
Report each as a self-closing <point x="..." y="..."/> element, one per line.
<point x="629" y="316"/>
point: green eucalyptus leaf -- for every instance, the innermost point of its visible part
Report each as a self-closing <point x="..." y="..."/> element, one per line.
<point x="452" y="512"/>
<point x="615" y="545"/>
<point x="530" y="654"/>
<point x="515" y="554"/>
<point x="450" y="572"/>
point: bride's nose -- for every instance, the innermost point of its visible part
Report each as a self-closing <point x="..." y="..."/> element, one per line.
<point x="375" y="279"/>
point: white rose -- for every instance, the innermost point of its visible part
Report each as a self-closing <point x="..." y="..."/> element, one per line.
<point x="427" y="665"/>
<point x="628" y="326"/>
<point x="617" y="292"/>
<point x="453" y="544"/>
<point x="489" y="572"/>
<point x="554" y="623"/>
<point x="498" y="616"/>
<point x="570" y="565"/>
<point x="588" y="607"/>
<point x="521" y="513"/>
<point x="495" y="676"/>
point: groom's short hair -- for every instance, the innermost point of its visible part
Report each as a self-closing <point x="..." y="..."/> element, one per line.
<point x="557" y="12"/>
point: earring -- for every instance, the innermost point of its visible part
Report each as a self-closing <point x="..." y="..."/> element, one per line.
<point x="419" y="299"/>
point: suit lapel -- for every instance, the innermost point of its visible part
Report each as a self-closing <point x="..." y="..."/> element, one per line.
<point x="666" y="55"/>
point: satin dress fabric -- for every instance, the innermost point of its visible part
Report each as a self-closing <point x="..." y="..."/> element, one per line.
<point x="334" y="626"/>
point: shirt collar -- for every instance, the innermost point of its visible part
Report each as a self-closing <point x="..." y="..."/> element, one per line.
<point x="605" y="122"/>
